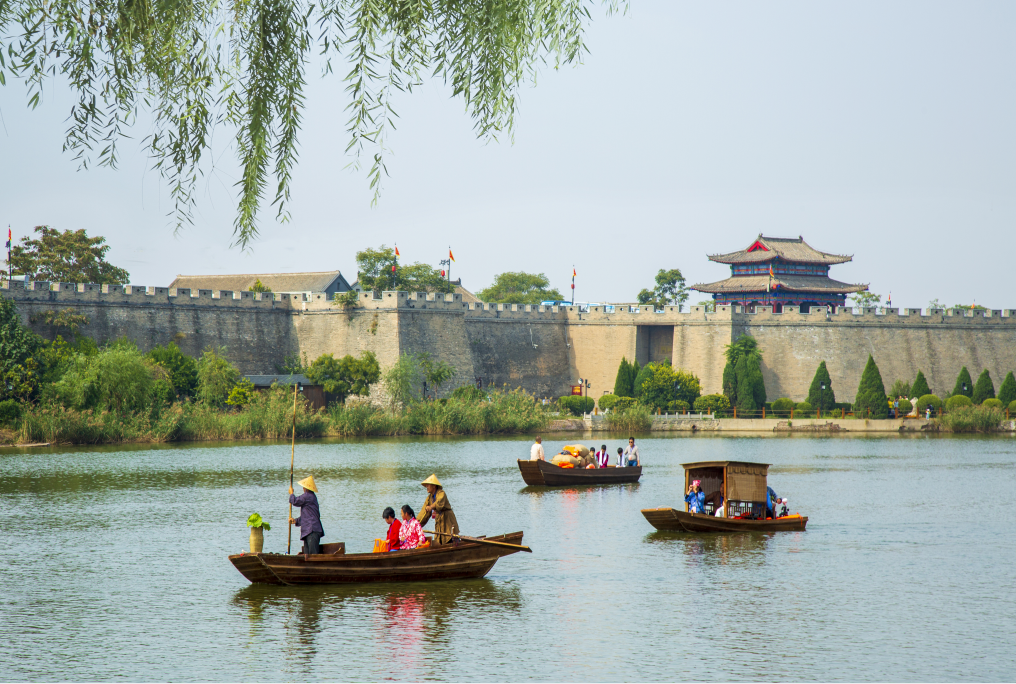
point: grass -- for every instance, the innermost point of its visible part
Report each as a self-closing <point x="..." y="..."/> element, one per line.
<point x="636" y="418"/>
<point x="972" y="419"/>
<point x="270" y="416"/>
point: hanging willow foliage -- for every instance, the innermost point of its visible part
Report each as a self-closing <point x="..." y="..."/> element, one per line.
<point x="200" y="64"/>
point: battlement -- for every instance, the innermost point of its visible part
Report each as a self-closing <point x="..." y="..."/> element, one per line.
<point x="92" y="293"/>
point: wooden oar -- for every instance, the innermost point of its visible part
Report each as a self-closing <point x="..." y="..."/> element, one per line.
<point x="292" y="462"/>
<point x="480" y="541"/>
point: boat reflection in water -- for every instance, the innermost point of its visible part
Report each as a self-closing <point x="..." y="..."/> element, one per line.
<point x="403" y="629"/>
<point x="716" y="549"/>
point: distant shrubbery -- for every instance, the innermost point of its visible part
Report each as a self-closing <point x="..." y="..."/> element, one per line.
<point x="783" y="406"/>
<point x="929" y="400"/>
<point x="957" y="401"/>
<point x="712" y="403"/>
<point x="576" y="405"/>
<point x="970" y="418"/>
<point x="607" y="401"/>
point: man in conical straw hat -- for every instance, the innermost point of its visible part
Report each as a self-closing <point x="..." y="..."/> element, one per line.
<point x="436" y="506"/>
<point x="310" y="515"/>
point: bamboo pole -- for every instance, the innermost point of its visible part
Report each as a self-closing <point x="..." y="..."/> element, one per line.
<point x="292" y="462"/>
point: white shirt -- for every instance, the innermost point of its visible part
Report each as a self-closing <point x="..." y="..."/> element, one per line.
<point x="536" y="453"/>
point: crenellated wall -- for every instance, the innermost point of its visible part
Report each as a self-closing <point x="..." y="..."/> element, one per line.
<point x="543" y="349"/>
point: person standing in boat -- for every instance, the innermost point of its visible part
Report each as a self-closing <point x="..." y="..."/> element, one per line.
<point x="631" y="454"/>
<point x="436" y="506"/>
<point x="309" y="521"/>
<point x="696" y="498"/>
<point x="536" y="451"/>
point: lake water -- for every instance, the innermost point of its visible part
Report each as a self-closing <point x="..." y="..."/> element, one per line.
<point x="114" y="566"/>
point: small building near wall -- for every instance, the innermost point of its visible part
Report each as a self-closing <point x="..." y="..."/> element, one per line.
<point x="773" y="272"/>
<point x="315" y="394"/>
<point x="329" y="282"/>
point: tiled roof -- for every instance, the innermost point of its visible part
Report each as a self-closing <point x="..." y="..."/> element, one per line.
<point x="769" y="248"/>
<point x="786" y="284"/>
<point x="278" y="282"/>
<point x="281" y="379"/>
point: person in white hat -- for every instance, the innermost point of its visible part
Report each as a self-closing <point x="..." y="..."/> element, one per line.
<point x="310" y="516"/>
<point x="436" y="506"/>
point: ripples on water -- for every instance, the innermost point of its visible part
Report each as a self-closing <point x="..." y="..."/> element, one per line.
<point x="114" y="567"/>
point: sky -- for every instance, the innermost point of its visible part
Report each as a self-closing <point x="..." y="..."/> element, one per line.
<point x="880" y="130"/>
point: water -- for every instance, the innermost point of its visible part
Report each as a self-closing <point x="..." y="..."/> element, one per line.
<point x="114" y="567"/>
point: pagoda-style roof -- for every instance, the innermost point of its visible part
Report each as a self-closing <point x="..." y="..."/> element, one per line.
<point x="789" y="249"/>
<point x="757" y="283"/>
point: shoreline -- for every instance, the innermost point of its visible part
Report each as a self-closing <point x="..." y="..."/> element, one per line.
<point x="701" y="423"/>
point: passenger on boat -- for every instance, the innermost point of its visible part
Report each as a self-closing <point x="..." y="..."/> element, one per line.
<point x="631" y="454"/>
<point x="393" y="529"/>
<point x="410" y="532"/>
<point x="310" y="515"/>
<point x="602" y="457"/>
<point x="716" y="499"/>
<point x="695" y="497"/>
<point x="536" y="451"/>
<point x="772" y="500"/>
<point x="589" y="460"/>
<point x="620" y="457"/>
<point x="436" y="506"/>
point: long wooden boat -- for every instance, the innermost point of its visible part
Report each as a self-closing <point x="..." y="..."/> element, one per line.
<point x="447" y="561"/>
<point x="681" y="521"/>
<point x="546" y="473"/>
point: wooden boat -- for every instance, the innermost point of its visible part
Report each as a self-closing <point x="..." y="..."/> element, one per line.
<point x="743" y="489"/>
<point x="546" y="473"/>
<point x="334" y="566"/>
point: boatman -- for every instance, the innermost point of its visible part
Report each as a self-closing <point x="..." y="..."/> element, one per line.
<point x="310" y="516"/>
<point x="436" y="506"/>
<point x="536" y="451"/>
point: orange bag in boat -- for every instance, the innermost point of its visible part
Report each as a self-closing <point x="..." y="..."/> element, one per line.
<point x="424" y="545"/>
<point x="566" y="465"/>
<point x="380" y="546"/>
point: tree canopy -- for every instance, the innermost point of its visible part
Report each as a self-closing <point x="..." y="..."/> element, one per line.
<point x="871" y="400"/>
<point x="817" y="397"/>
<point x="516" y="287"/>
<point x="984" y="388"/>
<point x="199" y="66"/>
<point x="920" y="386"/>
<point x="378" y="270"/>
<point x="67" y="257"/>
<point x="669" y="290"/>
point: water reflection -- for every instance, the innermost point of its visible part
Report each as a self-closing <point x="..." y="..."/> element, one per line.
<point x="716" y="549"/>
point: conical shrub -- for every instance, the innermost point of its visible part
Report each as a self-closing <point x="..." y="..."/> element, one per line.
<point x="745" y="391"/>
<point x="622" y="383"/>
<point x="963" y="381"/>
<point x="730" y="383"/>
<point x="817" y="397"/>
<point x="871" y="400"/>
<point x="1007" y="392"/>
<point x="920" y="386"/>
<point x="983" y="388"/>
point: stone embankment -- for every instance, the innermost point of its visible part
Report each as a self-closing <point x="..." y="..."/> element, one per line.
<point x="704" y="423"/>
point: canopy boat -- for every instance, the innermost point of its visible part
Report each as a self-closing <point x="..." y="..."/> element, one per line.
<point x="546" y="473"/>
<point x="458" y="560"/>
<point x="743" y="489"/>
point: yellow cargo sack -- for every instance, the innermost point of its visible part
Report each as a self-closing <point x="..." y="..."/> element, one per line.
<point x="576" y="450"/>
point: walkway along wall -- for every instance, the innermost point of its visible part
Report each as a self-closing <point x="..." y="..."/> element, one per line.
<point x="542" y="349"/>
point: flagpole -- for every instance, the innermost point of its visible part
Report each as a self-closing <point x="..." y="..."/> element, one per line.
<point x="10" y="268"/>
<point x="573" y="285"/>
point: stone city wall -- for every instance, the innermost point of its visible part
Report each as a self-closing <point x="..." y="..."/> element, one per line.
<point x="542" y="349"/>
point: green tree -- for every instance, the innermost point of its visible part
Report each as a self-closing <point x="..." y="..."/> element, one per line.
<point x="216" y="377"/>
<point x="1007" y="392"/>
<point x="964" y="385"/>
<point x="865" y="300"/>
<point x="345" y="376"/>
<point x="403" y="381"/>
<point x="660" y="384"/>
<point x="117" y="378"/>
<point x="745" y="347"/>
<point x="378" y="270"/>
<point x="669" y="290"/>
<point x="709" y="305"/>
<point x="900" y="388"/>
<point x="730" y="383"/>
<point x="745" y="387"/>
<point x="182" y="369"/>
<point x="984" y="388"/>
<point x="516" y="287"/>
<point x="18" y="345"/>
<point x="643" y="375"/>
<point x="242" y="393"/>
<point x="871" y="396"/>
<point x="201" y="66"/>
<point x="624" y="381"/>
<point x="920" y="386"/>
<point x="436" y="373"/>
<point x="817" y="397"/>
<point x="258" y="286"/>
<point x="67" y="257"/>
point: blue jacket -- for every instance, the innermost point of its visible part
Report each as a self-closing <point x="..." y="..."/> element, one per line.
<point x="696" y="502"/>
<point x="771" y="501"/>
<point x="310" y="516"/>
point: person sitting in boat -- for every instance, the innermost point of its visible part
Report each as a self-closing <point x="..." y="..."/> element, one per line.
<point x="310" y="516"/>
<point x="589" y="460"/>
<point x="436" y="506"/>
<point x="602" y="457"/>
<point x="410" y="532"/>
<point x="620" y="457"/>
<point x="393" y="529"/>
<point x="631" y="454"/>
<point x="772" y="500"/>
<point x="716" y="499"/>
<point x="695" y="498"/>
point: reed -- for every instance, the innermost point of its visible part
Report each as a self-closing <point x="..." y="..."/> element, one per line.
<point x="635" y="418"/>
<point x="972" y="419"/>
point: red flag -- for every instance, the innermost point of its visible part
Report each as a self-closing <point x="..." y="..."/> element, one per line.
<point x="396" y="250"/>
<point x="450" y="255"/>
<point x="573" y="272"/>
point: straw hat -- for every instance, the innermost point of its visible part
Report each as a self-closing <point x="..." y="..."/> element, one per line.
<point x="432" y="480"/>
<point x="308" y="483"/>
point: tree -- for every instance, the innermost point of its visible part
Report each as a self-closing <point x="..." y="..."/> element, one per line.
<point x="935" y="304"/>
<point x="623" y="381"/>
<point x="745" y="387"/>
<point x="871" y="400"/>
<point x="745" y="347"/>
<point x="900" y="388"/>
<point x="964" y="385"/>
<point x="660" y="384"/>
<point x="434" y="372"/>
<point x="516" y="287"/>
<point x="817" y="397"/>
<point x="730" y="383"/>
<point x="710" y="307"/>
<point x="67" y="257"/>
<point x="920" y="386"/>
<point x="379" y="270"/>
<point x="641" y="378"/>
<point x="865" y="300"/>
<point x="258" y="286"/>
<point x="1007" y="392"/>
<point x="983" y="388"/>
<point x="972" y="307"/>
<point x="199" y="67"/>
<point x="403" y="381"/>
<point x="182" y="369"/>
<point x="669" y="290"/>
<point x="345" y="376"/>
<point x="216" y="377"/>
<point x="117" y="378"/>
<point x="18" y="346"/>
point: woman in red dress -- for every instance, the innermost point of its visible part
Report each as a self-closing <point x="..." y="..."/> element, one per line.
<point x="393" y="529"/>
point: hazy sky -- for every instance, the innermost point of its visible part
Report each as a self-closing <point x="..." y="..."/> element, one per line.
<point x="882" y="130"/>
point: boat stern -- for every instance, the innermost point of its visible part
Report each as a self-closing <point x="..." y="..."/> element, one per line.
<point x="663" y="519"/>
<point x="531" y="473"/>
